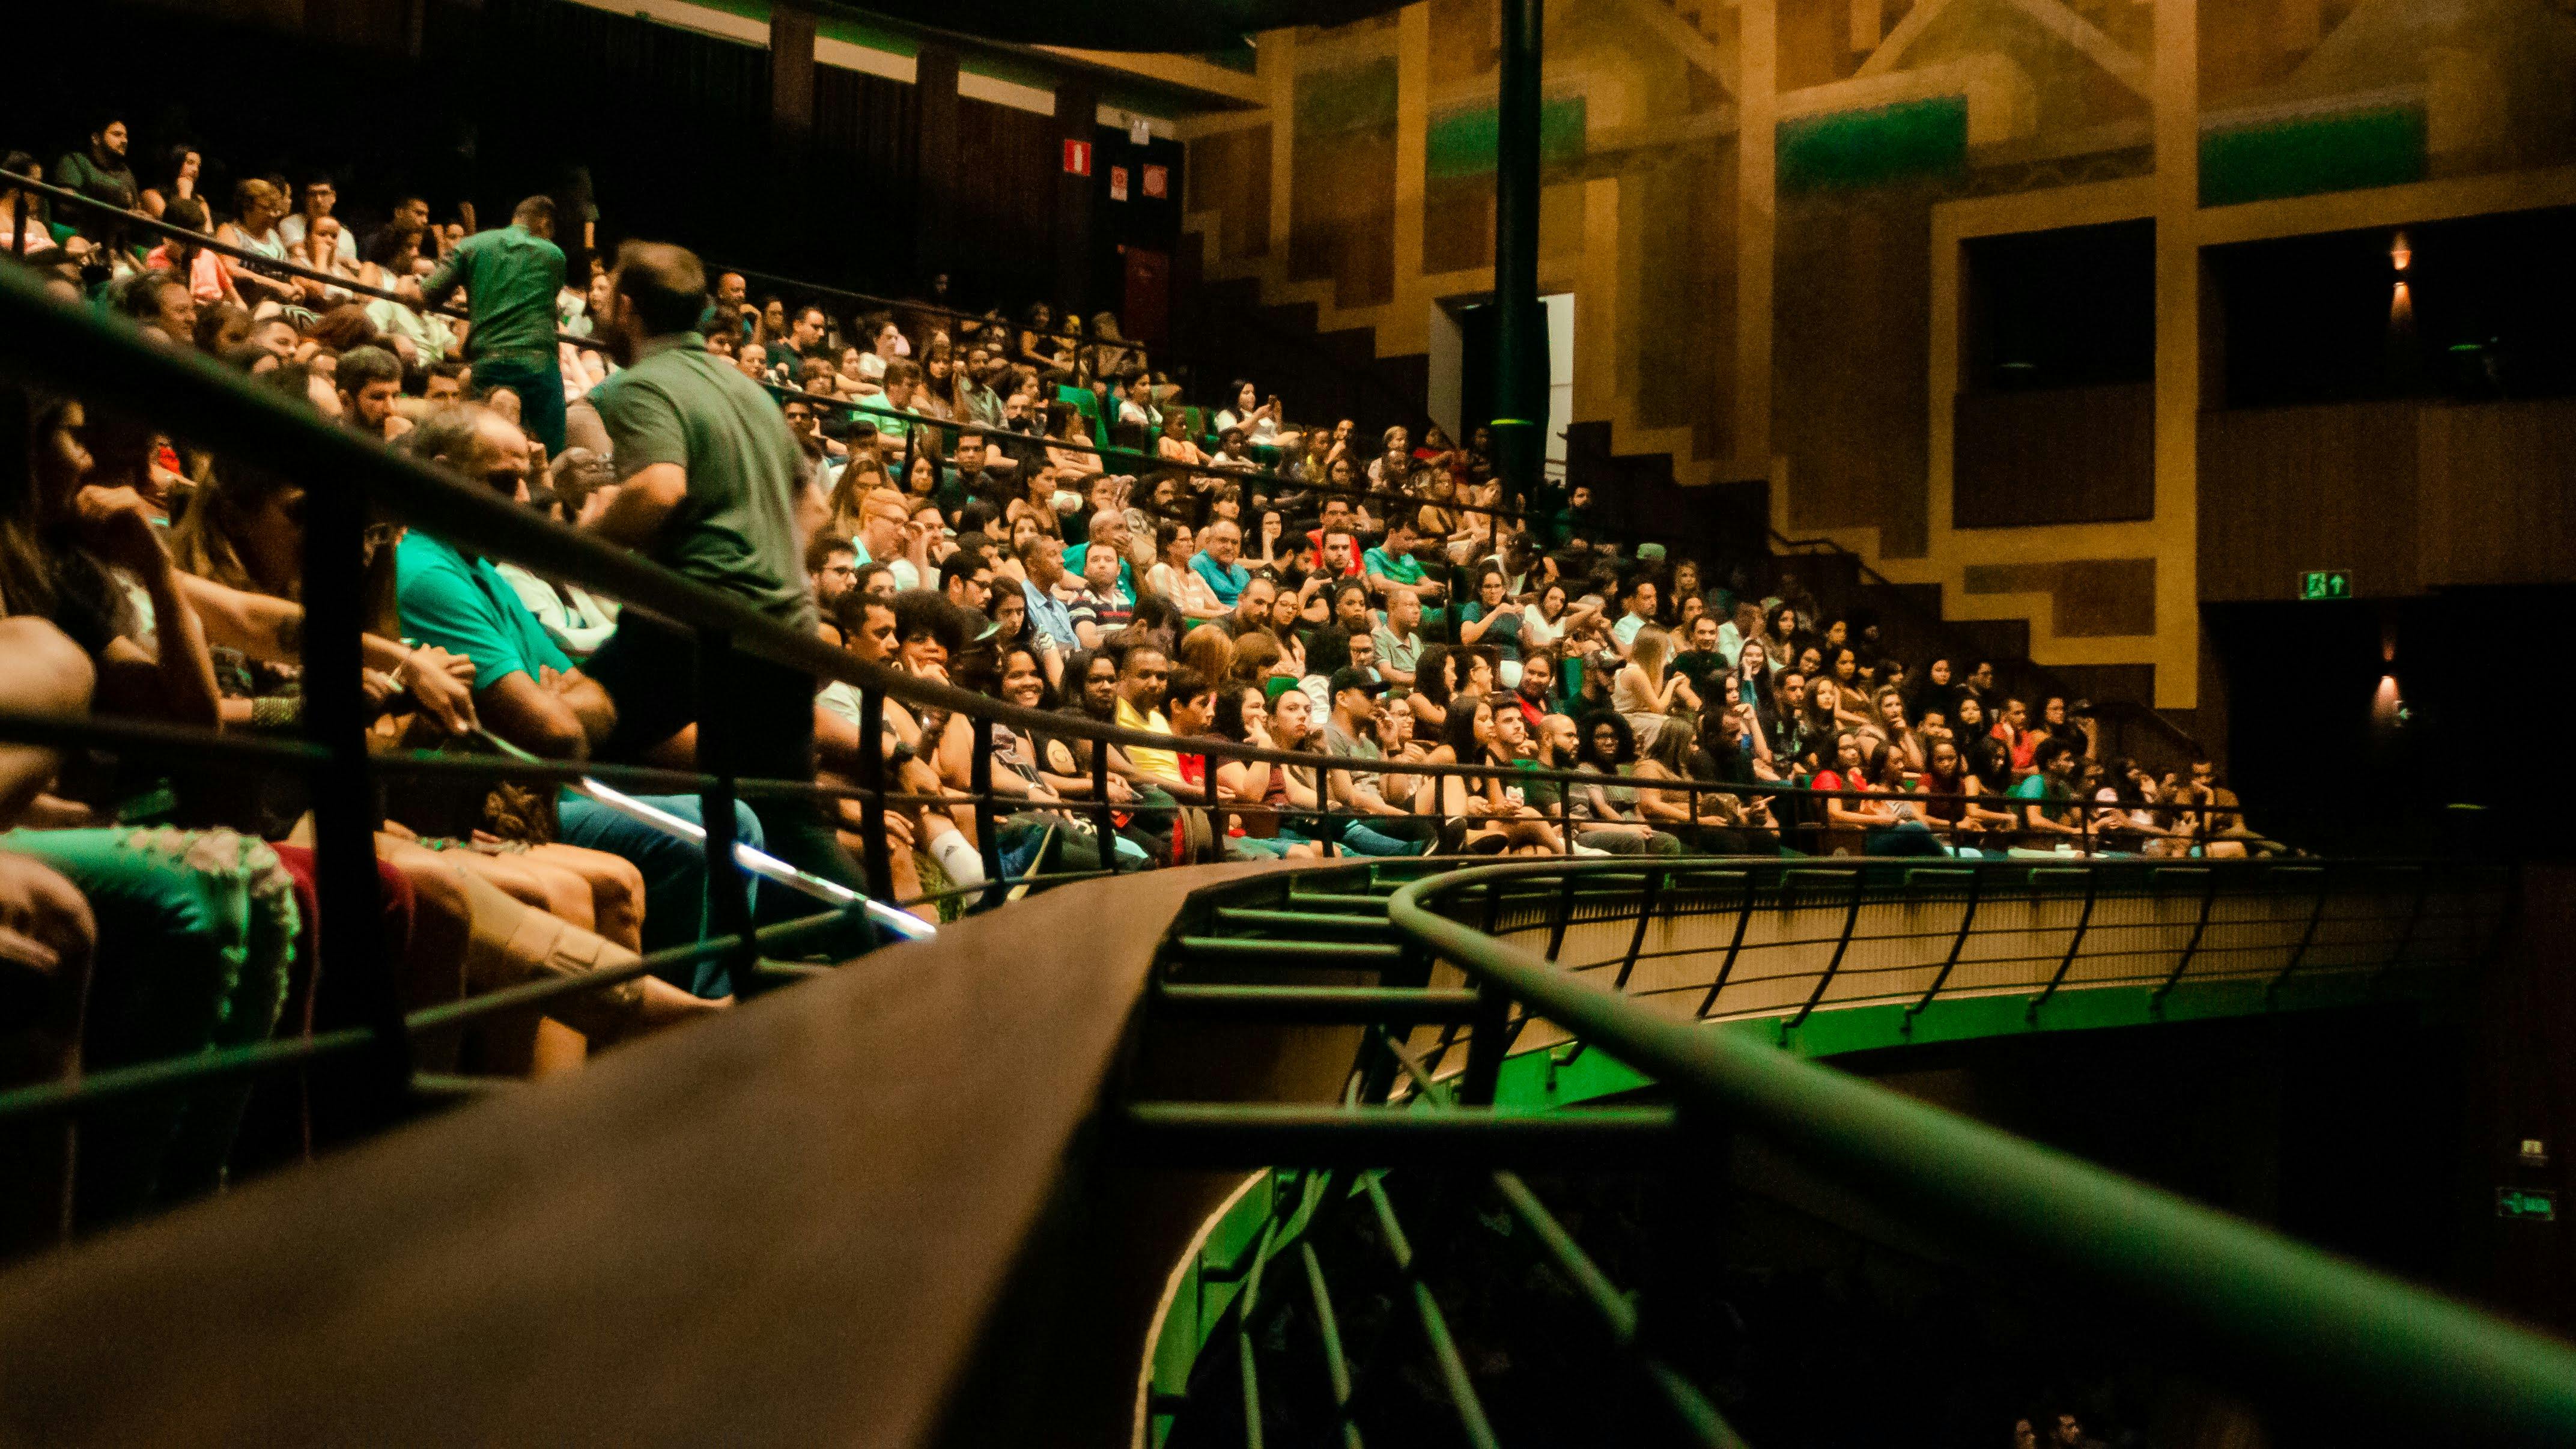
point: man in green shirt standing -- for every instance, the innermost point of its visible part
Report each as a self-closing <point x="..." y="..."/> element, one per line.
<point x="708" y="482"/>
<point x="510" y="278"/>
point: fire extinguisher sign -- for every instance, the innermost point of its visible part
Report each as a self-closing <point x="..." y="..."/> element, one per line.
<point x="1077" y="158"/>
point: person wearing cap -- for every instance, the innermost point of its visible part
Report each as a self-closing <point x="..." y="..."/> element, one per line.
<point x="1350" y="734"/>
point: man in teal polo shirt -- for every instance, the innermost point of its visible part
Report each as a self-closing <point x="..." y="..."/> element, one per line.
<point x="510" y="278"/>
<point x="529" y="693"/>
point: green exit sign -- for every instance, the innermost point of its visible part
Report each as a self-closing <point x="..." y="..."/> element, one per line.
<point x="2326" y="584"/>
<point x="2525" y="1202"/>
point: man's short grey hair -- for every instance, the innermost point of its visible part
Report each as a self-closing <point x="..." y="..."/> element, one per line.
<point x="448" y="435"/>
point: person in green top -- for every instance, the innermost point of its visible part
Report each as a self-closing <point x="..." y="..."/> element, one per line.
<point x="101" y="173"/>
<point x="709" y="478"/>
<point x="2045" y="818"/>
<point x="510" y="278"/>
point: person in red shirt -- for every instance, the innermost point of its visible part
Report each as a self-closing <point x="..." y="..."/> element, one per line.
<point x="2012" y="729"/>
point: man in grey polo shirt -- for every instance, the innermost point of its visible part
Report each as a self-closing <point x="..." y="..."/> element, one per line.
<point x="709" y="478"/>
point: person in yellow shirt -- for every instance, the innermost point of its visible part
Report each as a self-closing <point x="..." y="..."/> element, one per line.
<point x="1142" y="678"/>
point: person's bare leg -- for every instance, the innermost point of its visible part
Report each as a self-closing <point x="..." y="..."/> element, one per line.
<point x="448" y="896"/>
<point x="442" y="924"/>
<point x="552" y="892"/>
<point x="42" y="672"/>
<point x="616" y="889"/>
<point x="558" y="1049"/>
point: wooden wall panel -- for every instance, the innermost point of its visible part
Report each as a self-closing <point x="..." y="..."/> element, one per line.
<point x="1341" y="201"/>
<point x="1678" y="364"/>
<point x="2286" y="489"/>
<point x="1852" y="299"/>
<point x="1229" y="174"/>
<point x="2499" y="493"/>
<point x="2090" y="598"/>
<point x="1005" y="198"/>
<point x="2066" y="455"/>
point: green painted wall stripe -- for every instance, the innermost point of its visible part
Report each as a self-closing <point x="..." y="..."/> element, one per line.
<point x="1871" y="147"/>
<point x="1461" y="143"/>
<point x="2350" y="151"/>
<point x="1356" y="98"/>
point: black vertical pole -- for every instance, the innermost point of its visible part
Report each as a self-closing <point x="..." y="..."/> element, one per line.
<point x="346" y="813"/>
<point x="879" y="858"/>
<point x="728" y="904"/>
<point x="988" y="825"/>
<point x="1520" y="351"/>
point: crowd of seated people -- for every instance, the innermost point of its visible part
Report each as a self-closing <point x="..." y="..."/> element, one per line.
<point x="1020" y="507"/>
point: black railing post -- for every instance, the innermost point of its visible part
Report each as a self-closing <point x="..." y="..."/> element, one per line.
<point x="346" y="810"/>
<point x="2074" y="943"/>
<point x="1216" y="812"/>
<point x="877" y="856"/>
<point x="1102" y="816"/>
<point x="1734" y="944"/>
<point x="979" y="783"/>
<point x="1825" y="979"/>
<point x="1958" y="943"/>
<point x="2191" y="947"/>
<point x="1645" y="917"/>
<point x="728" y="907"/>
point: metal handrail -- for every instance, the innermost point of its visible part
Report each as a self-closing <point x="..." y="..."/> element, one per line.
<point x="2253" y="1299"/>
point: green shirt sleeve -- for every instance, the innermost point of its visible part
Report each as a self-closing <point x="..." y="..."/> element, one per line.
<point x="451" y="274"/>
<point x="643" y="424"/>
<point x="441" y="606"/>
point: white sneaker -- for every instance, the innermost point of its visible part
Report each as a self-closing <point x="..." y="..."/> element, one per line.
<point x="1582" y="849"/>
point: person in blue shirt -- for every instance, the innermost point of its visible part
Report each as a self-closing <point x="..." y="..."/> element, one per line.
<point x="1215" y="562"/>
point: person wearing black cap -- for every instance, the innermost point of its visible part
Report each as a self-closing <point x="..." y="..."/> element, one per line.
<point x="1354" y="694"/>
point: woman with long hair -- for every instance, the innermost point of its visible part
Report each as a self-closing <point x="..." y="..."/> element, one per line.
<point x="180" y="169"/>
<point x="1171" y="576"/>
<point x="1475" y="812"/>
<point x="1544" y="622"/>
<point x="1605" y="750"/>
<point x="1934" y="691"/>
<point x="1704" y="821"/>
<point x="1435" y="679"/>
<point x="1644" y="692"/>
<point x="1070" y="450"/>
<point x="1824" y="715"/>
<point x="1889" y="723"/>
<point x="1985" y="757"/>
<point x="1953" y="798"/>
<point x="188" y="257"/>
<point x="1038" y="346"/>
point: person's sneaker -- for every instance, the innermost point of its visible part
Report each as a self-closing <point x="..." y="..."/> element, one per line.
<point x="1582" y="849"/>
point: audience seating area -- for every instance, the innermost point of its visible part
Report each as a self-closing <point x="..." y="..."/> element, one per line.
<point x="1265" y="635"/>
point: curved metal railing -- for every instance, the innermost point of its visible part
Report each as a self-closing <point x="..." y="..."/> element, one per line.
<point x="2271" y="1315"/>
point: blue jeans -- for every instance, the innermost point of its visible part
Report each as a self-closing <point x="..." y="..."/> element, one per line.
<point x="675" y="875"/>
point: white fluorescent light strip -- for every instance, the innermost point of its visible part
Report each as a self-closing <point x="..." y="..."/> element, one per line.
<point x="760" y="862"/>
